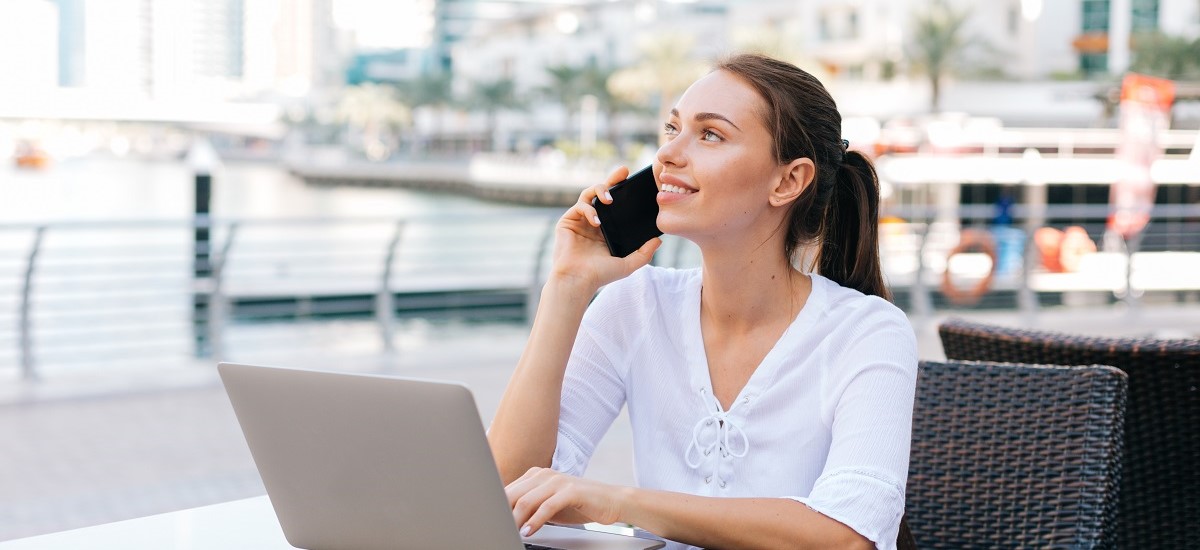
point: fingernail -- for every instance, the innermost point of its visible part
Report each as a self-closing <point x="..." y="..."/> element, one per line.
<point x="596" y="219"/>
<point x="525" y="531"/>
<point x="608" y="195"/>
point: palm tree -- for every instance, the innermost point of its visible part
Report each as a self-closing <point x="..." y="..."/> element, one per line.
<point x="373" y="110"/>
<point x="939" y="42"/>
<point x="565" y="88"/>
<point x="595" y="81"/>
<point x="432" y="90"/>
<point x="666" y="69"/>
<point x="494" y="97"/>
<point x="1165" y="56"/>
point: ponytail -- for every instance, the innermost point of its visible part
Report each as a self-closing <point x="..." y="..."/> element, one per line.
<point x="849" y="234"/>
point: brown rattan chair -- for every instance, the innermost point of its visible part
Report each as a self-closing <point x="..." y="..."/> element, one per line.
<point x="1160" y="482"/>
<point x="1015" y="456"/>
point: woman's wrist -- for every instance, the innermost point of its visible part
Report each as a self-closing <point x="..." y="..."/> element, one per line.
<point x="627" y="505"/>
<point x="569" y="287"/>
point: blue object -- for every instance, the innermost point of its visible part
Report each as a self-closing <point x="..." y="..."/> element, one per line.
<point x="1010" y="248"/>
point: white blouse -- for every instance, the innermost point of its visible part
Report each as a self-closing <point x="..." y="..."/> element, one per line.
<point x="826" y="418"/>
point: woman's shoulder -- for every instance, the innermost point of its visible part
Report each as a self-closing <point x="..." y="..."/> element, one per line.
<point x="858" y="309"/>
<point x="647" y="293"/>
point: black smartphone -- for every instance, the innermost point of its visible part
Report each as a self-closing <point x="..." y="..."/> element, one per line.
<point x="631" y="219"/>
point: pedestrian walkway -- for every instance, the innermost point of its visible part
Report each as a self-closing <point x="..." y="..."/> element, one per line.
<point x="89" y="446"/>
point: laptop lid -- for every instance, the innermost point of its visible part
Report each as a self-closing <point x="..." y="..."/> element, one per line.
<point x="368" y="461"/>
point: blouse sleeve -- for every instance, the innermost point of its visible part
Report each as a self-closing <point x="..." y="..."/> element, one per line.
<point x="869" y="395"/>
<point x="594" y="386"/>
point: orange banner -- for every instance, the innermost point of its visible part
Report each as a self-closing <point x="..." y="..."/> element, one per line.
<point x="1145" y="112"/>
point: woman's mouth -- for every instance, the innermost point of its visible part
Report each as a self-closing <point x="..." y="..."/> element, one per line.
<point x="668" y="188"/>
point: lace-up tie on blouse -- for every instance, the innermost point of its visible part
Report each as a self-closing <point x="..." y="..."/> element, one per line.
<point x="712" y="433"/>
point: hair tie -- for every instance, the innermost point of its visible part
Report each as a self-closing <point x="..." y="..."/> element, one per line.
<point x="845" y="146"/>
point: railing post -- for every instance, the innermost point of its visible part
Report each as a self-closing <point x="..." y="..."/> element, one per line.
<point x="1026" y="297"/>
<point x="216" y="299"/>
<point x="28" y="363"/>
<point x="535" y="280"/>
<point x="385" y="308"/>
<point x="922" y="303"/>
<point x="202" y="284"/>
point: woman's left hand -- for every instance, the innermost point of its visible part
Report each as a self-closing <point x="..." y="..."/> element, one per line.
<point x="544" y="495"/>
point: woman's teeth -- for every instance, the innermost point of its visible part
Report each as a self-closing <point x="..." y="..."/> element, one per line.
<point x="668" y="188"/>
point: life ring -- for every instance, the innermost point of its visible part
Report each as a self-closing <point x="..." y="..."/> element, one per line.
<point x="970" y="240"/>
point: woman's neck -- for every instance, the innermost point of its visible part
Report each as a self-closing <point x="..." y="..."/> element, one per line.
<point x="746" y="289"/>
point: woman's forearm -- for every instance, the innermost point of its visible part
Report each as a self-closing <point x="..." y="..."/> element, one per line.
<point x="712" y="522"/>
<point x="524" y="431"/>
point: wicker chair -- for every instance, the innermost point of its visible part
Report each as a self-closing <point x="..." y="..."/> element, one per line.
<point x="1015" y="456"/>
<point x="1160" y="482"/>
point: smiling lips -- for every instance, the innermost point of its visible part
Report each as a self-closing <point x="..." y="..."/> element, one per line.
<point x="668" y="188"/>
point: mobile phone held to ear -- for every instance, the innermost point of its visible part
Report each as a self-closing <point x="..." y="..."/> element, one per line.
<point x="630" y="220"/>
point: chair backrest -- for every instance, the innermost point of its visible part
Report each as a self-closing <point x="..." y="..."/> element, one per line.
<point x="1015" y="456"/>
<point x="1160" y="483"/>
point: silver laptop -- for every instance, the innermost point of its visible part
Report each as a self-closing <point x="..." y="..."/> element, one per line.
<point x="356" y="461"/>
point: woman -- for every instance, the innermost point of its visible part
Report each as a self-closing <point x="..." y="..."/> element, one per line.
<point x="770" y="407"/>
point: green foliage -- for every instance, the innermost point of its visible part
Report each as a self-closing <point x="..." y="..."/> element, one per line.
<point x="938" y="37"/>
<point x="938" y="44"/>
<point x="566" y="85"/>
<point x="666" y="67"/>
<point x="1067" y="75"/>
<point x="496" y="95"/>
<point x="602" y="150"/>
<point x="1165" y="56"/>
<point x="369" y="104"/>
<point x="430" y="90"/>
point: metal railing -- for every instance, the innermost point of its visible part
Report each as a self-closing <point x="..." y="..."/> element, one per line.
<point x="91" y="292"/>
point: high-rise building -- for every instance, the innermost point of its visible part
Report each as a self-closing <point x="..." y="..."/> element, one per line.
<point x="453" y="20"/>
<point x="70" y="43"/>
<point x="217" y="35"/>
<point x="30" y="57"/>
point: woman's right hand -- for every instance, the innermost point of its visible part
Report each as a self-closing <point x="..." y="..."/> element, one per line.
<point x="580" y="253"/>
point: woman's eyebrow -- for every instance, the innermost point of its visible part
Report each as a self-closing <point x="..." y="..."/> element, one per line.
<point x="701" y="117"/>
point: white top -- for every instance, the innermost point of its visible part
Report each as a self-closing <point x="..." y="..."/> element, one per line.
<point x="826" y="418"/>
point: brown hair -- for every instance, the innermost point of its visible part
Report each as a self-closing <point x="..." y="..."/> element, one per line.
<point x="839" y="211"/>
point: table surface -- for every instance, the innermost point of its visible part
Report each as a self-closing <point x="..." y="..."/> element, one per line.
<point x="248" y="523"/>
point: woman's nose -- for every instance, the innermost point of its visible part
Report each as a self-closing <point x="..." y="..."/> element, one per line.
<point x="672" y="153"/>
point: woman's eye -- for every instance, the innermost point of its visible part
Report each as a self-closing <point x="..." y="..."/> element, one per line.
<point x="709" y="135"/>
<point x="670" y="129"/>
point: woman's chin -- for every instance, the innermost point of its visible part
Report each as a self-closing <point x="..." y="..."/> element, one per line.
<point x="667" y="224"/>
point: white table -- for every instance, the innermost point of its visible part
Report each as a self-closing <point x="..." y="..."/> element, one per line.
<point x="248" y="523"/>
<point x="240" y="524"/>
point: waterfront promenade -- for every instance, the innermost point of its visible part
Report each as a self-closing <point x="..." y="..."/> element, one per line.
<point x="91" y="445"/>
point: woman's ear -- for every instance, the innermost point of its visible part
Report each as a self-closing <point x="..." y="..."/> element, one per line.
<point x="794" y="178"/>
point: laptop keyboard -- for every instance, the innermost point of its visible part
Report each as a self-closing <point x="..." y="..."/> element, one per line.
<point x="529" y="546"/>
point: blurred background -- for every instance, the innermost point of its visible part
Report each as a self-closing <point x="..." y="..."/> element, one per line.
<point x="371" y="186"/>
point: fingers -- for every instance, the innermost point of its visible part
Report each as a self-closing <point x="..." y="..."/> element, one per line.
<point x="546" y="511"/>
<point x="535" y="492"/>
<point x="584" y="210"/>
<point x="521" y="485"/>
<point x="642" y="255"/>
<point x="583" y="207"/>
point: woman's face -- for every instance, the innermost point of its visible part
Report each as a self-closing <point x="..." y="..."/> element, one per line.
<point x="715" y="168"/>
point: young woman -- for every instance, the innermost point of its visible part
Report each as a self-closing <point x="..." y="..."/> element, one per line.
<point x="771" y="406"/>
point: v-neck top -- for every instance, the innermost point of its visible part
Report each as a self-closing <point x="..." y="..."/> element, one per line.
<point x="825" y="419"/>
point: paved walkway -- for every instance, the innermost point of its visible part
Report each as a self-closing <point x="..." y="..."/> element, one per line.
<point x="89" y="446"/>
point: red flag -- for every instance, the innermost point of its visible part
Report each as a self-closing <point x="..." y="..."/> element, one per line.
<point x="1145" y="112"/>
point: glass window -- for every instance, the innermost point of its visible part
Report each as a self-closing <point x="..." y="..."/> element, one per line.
<point x="1145" y="15"/>
<point x="1095" y="15"/>
<point x="1093" y="63"/>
